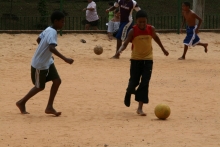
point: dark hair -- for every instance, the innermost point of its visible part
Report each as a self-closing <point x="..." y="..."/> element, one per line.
<point x="111" y="3"/>
<point x="140" y="14"/>
<point x="186" y="4"/>
<point x="56" y="15"/>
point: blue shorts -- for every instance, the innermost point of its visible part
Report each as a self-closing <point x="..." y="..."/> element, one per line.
<point x="123" y="30"/>
<point x="191" y="37"/>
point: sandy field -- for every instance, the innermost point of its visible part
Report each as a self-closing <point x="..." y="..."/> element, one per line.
<point x="92" y="92"/>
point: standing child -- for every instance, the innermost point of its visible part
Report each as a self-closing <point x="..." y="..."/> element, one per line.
<point x="42" y="66"/>
<point x="92" y="18"/>
<point x="192" y="30"/>
<point x="113" y="24"/>
<point x="126" y="8"/>
<point x="141" y="60"/>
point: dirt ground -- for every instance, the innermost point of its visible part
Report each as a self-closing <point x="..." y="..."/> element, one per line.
<point x="92" y="92"/>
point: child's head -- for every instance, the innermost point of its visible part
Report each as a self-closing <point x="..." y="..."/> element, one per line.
<point x="57" y="19"/>
<point x="185" y="6"/>
<point x="141" y="19"/>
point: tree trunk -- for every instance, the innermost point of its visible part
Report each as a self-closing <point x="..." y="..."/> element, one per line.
<point x="199" y="8"/>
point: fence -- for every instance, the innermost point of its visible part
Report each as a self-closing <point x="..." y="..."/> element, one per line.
<point x="75" y="23"/>
<point x="163" y="14"/>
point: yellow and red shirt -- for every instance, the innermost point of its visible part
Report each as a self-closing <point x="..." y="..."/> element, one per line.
<point x="142" y="43"/>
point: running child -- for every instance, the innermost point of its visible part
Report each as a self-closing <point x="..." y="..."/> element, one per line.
<point x="126" y="8"/>
<point x="192" y="39"/>
<point x="42" y="66"/>
<point x="141" y="60"/>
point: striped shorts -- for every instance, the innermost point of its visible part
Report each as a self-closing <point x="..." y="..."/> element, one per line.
<point x="40" y="77"/>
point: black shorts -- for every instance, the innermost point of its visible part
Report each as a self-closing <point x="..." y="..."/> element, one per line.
<point x="40" y="77"/>
<point x="92" y="23"/>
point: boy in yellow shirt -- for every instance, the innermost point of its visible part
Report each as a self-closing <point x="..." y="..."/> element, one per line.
<point x="141" y="60"/>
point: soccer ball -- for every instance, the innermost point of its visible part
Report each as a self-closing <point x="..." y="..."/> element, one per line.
<point x="98" y="50"/>
<point x="162" y="111"/>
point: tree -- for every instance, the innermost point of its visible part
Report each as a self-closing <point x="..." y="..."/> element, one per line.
<point x="199" y="8"/>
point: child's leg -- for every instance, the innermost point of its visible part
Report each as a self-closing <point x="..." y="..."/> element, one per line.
<point x="54" y="77"/>
<point x="95" y="28"/>
<point x="87" y="26"/>
<point x="135" y="74"/>
<point x="184" y="53"/>
<point x="205" y="45"/>
<point x="141" y="94"/>
<point x="140" y="110"/>
<point x="21" y="103"/>
<point x="109" y="35"/>
<point x="119" y="43"/>
<point x="38" y="79"/>
<point x="53" y="92"/>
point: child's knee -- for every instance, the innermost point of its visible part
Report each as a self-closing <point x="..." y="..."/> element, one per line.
<point x="40" y="88"/>
<point x="57" y="81"/>
<point x="131" y="89"/>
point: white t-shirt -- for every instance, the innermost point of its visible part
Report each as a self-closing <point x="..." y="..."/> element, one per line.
<point x="92" y="15"/>
<point x="42" y="58"/>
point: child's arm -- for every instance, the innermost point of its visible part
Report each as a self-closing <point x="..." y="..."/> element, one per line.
<point x="116" y="4"/>
<point x="125" y="44"/>
<point x="55" y="51"/>
<point x="110" y="9"/>
<point x="157" y="40"/>
<point x="90" y="9"/>
<point x="38" y="40"/>
<point x="199" y="24"/>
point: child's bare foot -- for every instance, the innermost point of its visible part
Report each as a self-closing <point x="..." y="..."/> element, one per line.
<point x="205" y="46"/>
<point x="52" y="111"/>
<point x="141" y="113"/>
<point x="181" y="58"/>
<point x="115" y="57"/>
<point x="21" y="107"/>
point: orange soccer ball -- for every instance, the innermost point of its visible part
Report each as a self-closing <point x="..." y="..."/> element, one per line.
<point x="162" y="111"/>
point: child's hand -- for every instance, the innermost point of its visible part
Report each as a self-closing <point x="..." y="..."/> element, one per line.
<point x="84" y="9"/>
<point x="165" y="52"/>
<point x="69" y="60"/>
<point x="107" y="10"/>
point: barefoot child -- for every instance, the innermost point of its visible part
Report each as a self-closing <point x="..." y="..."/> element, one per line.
<point x="192" y="30"/>
<point x="42" y="66"/>
<point x="113" y="24"/>
<point x="141" y="59"/>
<point x="126" y="8"/>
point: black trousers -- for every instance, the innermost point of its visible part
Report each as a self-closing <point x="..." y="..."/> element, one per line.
<point x="140" y="74"/>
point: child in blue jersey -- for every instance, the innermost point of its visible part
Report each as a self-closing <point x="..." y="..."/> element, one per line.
<point x="141" y="60"/>
<point x="42" y="66"/>
<point x="192" y="39"/>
